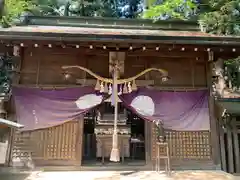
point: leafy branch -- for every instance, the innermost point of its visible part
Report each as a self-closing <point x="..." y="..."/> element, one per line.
<point x="13" y="10"/>
<point x="232" y="72"/>
<point x="224" y="18"/>
<point x="174" y="9"/>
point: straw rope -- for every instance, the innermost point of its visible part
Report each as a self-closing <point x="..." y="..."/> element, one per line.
<point x="119" y="81"/>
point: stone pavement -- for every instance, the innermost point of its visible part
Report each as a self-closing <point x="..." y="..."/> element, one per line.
<point x="121" y="175"/>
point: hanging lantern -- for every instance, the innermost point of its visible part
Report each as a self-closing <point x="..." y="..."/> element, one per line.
<point x="101" y="88"/>
<point x="129" y="87"/>
<point x="134" y="85"/>
<point x="97" y="86"/>
<point x="110" y="89"/>
<point x="125" y="89"/>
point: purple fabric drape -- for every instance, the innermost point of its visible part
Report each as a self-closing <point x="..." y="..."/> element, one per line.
<point x="36" y="108"/>
<point x="182" y="111"/>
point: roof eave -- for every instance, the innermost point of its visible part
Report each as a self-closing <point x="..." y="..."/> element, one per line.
<point x="226" y="41"/>
<point x="99" y="22"/>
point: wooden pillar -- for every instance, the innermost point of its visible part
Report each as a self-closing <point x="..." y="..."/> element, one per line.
<point x="79" y="143"/>
<point x="148" y="129"/>
<point x="148" y="139"/>
<point x="230" y="149"/>
<point x="223" y="150"/>
<point x="18" y="53"/>
<point x="5" y="137"/>
<point x="213" y="121"/>
<point x="236" y="145"/>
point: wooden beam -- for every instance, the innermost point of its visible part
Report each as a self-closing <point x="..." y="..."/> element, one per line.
<point x="162" y="52"/>
<point x="125" y="45"/>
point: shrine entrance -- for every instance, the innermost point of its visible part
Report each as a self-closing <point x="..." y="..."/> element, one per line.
<point x="97" y="137"/>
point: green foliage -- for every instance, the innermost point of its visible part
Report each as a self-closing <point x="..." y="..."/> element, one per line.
<point x="232" y="72"/>
<point x="46" y="7"/>
<point x="13" y="9"/>
<point x="174" y="9"/>
<point x="224" y="17"/>
<point x="6" y="73"/>
<point x="88" y="8"/>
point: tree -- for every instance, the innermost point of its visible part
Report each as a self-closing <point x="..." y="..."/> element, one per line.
<point x="130" y="8"/>
<point x="170" y="9"/>
<point x="223" y="18"/>
<point x="215" y="16"/>
<point x="232" y="73"/>
<point x="13" y="9"/>
<point x="91" y="8"/>
<point x="17" y="10"/>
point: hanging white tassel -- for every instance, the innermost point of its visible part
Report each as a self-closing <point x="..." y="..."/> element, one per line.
<point x="129" y="87"/>
<point x="125" y="88"/>
<point x="110" y="89"/>
<point x="101" y="88"/>
<point x="134" y="85"/>
<point x="98" y="86"/>
<point x="121" y="89"/>
<point x="106" y="88"/>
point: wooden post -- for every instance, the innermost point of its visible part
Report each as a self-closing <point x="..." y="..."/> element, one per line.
<point x="3" y="115"/>
<point x="148" y="130"/>
<point x="213" y="120"/>
<point x="148" y="139"/>
<point x="236" y="145"/>
<point x="19" y="54"/>
<point x="115" y="154"/>
<point x="230" y="150"/>
<point x="222" y="146"/>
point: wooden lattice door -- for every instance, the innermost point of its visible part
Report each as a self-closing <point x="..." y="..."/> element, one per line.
<point x="60" y="145"/>
<point x="185" y="145"/>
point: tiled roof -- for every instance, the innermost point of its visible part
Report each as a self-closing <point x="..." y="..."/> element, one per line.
<point x="108" y="31"/>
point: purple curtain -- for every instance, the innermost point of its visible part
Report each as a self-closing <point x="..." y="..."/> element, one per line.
<point x="36" y="108"/>
<point x="182" y="111"/>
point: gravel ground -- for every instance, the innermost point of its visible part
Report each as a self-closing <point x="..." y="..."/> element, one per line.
<point x="120" y="175"/>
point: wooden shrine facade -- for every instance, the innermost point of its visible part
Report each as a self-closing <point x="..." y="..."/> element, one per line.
<point x="188" y="60"/>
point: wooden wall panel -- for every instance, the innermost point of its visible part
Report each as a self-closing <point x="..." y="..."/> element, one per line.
<point x="51" y="69"/>
<point x="43" y="66"/>
<point x="50" y="66"/>
<point x="179" y="71"/>
<point x="99" y="64"/>
<point x="29" y="66"/>
<point x="134" y="65"/>
<point x="200" y="74"/>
